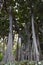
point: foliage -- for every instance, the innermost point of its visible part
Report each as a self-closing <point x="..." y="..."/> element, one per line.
<point x="24" y="63"/>
<point x="21" y="14"/>
<point x="1" y="56"/>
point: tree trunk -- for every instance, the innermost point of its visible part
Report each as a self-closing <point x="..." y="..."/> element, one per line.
<point x="34" y="39"/>
<point x="28" y="44"/>
<point x="38" y="45"/>
<point x="19" y="52"/>
<point x="21" y="48"/>
<point x="10" y="42"/>
<point x="8" y="54"/>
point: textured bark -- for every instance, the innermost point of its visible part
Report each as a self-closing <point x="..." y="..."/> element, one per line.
<point x="21" y="49"/>
<point x="8" y="54"/>
<point x="10" y="42"/>
<point x="34" y="40"/>
<point x="38" y="45"/>
<point x="31" y="54"/>
<point x="19" y="52"/>
<point x="22" y="56"/>
<point x="28" y="44"/>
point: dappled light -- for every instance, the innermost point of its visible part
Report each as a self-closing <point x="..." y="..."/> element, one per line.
<point x="21" y="32"/>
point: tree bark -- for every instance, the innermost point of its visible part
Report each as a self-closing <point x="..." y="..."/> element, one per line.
<point x="38" y="45"/>
<point x="19" y="52"/>
<point x="34" y="39"/>
<point x="9" y="55"/>
<point x="10" y="42"/>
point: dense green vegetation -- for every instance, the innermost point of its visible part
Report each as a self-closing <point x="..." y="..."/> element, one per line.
<point x="1" y="56"/>
<point x="25" y="63"/>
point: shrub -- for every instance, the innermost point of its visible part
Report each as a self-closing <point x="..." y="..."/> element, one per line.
<point x="24" y="63"/>
<point x="1" y="56"/>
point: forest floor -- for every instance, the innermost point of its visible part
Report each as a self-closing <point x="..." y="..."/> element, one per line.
<point x="25" y="62"/>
